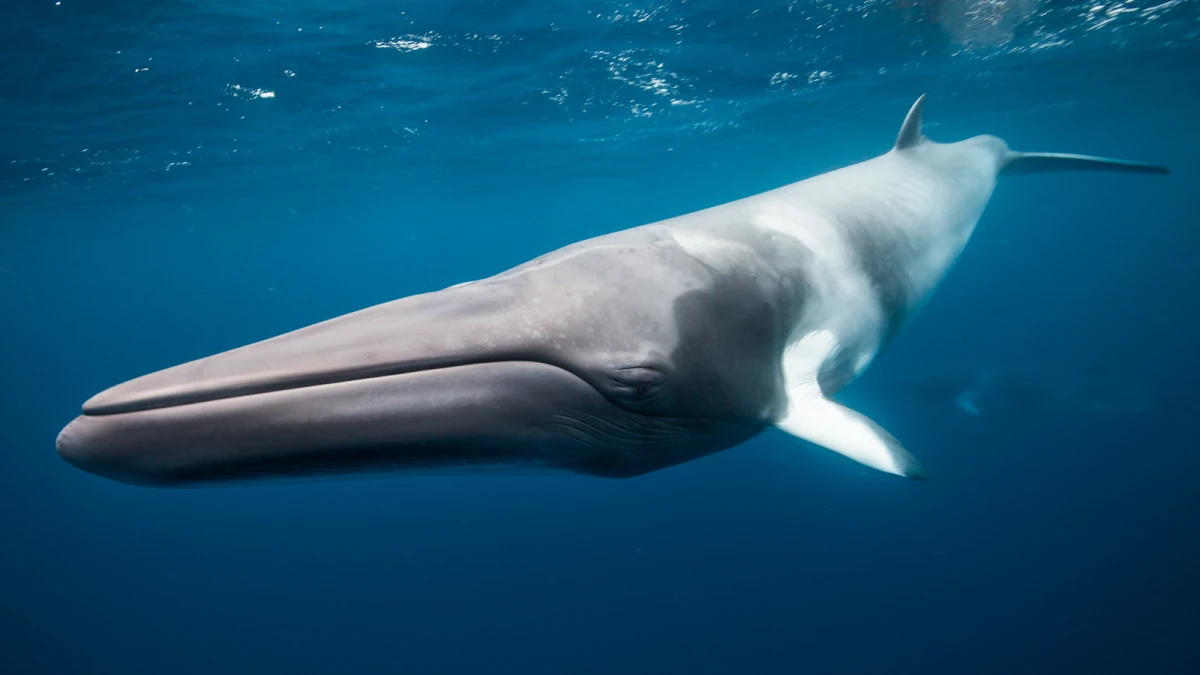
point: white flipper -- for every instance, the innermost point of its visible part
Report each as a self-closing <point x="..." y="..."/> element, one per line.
<point x="817" y="419"/>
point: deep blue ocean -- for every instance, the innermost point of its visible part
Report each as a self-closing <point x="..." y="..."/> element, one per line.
<point x="181" y="178"/>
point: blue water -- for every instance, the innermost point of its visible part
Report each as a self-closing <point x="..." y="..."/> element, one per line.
<point x="180" y="178"/>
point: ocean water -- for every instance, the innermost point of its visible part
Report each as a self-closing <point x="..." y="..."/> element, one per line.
<point x="180" y="178"/>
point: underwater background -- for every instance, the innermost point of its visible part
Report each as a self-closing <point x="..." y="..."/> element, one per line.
<point x="180" y="178"/>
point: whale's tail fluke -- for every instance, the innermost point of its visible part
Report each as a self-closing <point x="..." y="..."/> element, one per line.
<point x="1043" y="162"/>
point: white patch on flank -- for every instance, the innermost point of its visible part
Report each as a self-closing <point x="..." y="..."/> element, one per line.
<point x="817" y="235"/>
<point x="842" y="299"/>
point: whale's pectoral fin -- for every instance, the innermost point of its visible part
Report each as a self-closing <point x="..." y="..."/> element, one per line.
<point x="847" y="432"/>
<point x="813" y="417"/>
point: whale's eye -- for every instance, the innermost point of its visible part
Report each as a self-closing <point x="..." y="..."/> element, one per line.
<point x="637" y="384"/>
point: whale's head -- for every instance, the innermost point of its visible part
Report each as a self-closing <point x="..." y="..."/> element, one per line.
<point x="612" y="357"/>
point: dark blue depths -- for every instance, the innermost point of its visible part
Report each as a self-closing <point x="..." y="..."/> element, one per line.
<point x="180" y="178"/>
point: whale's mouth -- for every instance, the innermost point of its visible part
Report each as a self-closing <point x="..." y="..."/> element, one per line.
<point x="499" y="415"/>
<point x="130" y="397"/>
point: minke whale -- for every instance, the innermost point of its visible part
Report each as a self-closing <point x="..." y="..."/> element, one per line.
<point x="614" y="356"/>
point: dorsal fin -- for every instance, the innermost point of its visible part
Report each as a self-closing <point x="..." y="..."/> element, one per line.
<point x="910" y="131"/>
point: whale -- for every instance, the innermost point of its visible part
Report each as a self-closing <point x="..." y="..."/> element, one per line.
<point x="615" y="356"/>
